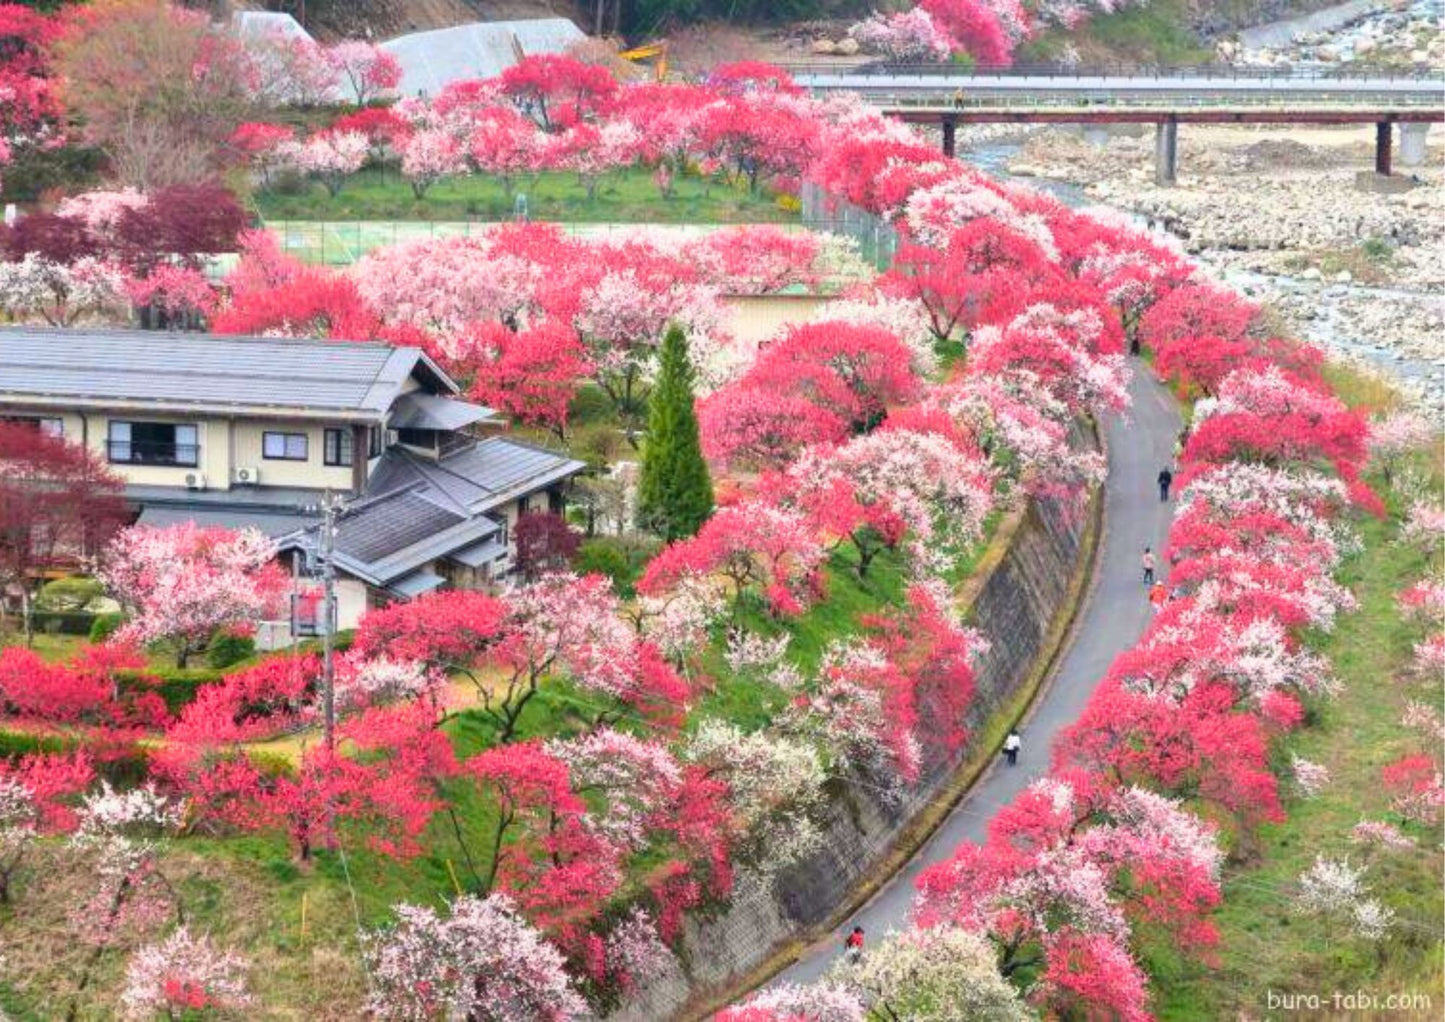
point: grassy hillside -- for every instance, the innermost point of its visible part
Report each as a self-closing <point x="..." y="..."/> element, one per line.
<point x="1265" y="947"/>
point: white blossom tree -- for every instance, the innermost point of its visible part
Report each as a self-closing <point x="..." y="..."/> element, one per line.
<point x="942" y="974"/>
<point x="483" y="962"/>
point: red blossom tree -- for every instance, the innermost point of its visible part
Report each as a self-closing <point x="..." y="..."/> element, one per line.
<point x="749" y="426"/>
<point x="59" y="503"/>
<point x="531" y="374"/>
<point x="542" y="853"/>
<point x="851" y="372"/>
<point x="545" y="543"/>
<point x="759" y="549"/>
<point x="558" y="91"/>
<point x="983" y="259"/>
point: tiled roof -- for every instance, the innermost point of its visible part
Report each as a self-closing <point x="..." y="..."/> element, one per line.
<point x="476" y="478"/>
<point x="202" y="371"/>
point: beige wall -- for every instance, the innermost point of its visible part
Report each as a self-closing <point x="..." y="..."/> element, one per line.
<point x="309" y="473"/>
<point x="226" y="445"/>
<point x="758" y="317"/>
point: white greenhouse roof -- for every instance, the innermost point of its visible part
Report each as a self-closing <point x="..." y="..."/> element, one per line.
<point x="481" y="49"/>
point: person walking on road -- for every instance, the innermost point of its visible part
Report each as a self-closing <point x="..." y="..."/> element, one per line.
<point x="1149" y="563"/>
<point x="853" y="946"/>
<point x="1011" y="746"/>
<point x="1166" y="480"/>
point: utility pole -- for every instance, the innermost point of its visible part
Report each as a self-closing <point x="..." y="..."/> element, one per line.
<point x="330" y="511"/>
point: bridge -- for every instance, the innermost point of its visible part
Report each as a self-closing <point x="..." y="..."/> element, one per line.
<point x="948" y="95"/>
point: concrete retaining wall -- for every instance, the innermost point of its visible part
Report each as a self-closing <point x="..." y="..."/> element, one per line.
<point x="1020" y="602"/>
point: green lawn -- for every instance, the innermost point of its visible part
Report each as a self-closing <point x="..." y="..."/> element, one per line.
<point x="1265" y="947"/>
<point x="628" y="196"/>
<point x="1157" y="33"/>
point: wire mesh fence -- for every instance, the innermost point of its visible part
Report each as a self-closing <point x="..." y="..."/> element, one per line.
<point x="343" y="242"/>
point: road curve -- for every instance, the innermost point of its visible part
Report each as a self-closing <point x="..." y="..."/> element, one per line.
<point x="1112" y="620"/>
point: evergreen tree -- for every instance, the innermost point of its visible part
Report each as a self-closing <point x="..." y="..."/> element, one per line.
<point x="675" y="491"/>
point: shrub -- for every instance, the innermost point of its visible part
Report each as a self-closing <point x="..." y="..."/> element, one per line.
<point x="104" y="626"/>
<point x="228" y="648"/>
<point x="621" y="560"/>
<point x="68" y="595"/>
<point x="176" y="686"/>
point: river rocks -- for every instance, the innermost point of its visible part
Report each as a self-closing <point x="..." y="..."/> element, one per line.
<point x="1410" y="34"/>
<point x="848" y="47"/>
<point x="824" y="47"/>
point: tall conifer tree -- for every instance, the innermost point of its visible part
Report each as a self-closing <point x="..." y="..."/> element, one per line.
<point x="675" y="491"/>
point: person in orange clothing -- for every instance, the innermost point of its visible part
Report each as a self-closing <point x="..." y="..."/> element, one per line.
<point x="1158" y="596"/>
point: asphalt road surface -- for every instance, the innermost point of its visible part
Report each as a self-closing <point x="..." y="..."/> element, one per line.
<point x="1112" y="620"/>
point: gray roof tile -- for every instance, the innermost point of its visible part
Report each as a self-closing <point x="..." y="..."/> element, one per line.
<point x="184" y="370"/>
<point x="379" y="528"/>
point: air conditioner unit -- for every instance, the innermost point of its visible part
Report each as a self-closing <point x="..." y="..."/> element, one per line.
<point x="248" y="476"/>
<point x="195" y="480"/>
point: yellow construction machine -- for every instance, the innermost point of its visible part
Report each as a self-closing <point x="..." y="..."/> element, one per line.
<point x="655" y="52"/>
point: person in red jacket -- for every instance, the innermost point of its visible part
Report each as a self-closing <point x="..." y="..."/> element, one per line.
<point x="853" y="946"/>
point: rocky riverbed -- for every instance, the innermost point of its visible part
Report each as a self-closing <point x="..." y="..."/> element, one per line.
<point x="1380" y="33"/>
<point x="1280" y="213"/>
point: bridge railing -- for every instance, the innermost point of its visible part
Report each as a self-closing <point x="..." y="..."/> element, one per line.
<point x="1297" y="72"/>
<point x="916" y="100"/>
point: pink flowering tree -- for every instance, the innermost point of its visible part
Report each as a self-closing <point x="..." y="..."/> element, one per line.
<point x="329" y="157"/>
<point x="568" y="625"/>
<point x="428" y="156"/>
<point x="1068" y="867"/>
<point x="180" y="584"/>
<point x="1394" y="436"/>
<point x="481" y="961"/>
<point x="365" y="69"/>
<point x="758" y="549"/>
<point x="909" y="36"/>
<point x="637" y="781"/>
<point x="1059" y="349"/>
<point x="883" y="488"/>
<point x="184" y="973"/>
<point x="757" y="259"/>
<point x="1018" y="423"/>
<point x="861" y="707"/>
<point x="291" y="69"/>
<point x="179" y="293"/>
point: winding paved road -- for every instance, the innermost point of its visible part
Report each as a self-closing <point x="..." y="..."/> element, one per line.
<point x="1112" y="620"/>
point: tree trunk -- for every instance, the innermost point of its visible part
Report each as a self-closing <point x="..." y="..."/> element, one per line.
<point x="27" y="616"/>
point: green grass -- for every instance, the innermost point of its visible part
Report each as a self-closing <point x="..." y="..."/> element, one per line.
<point x="750" y="703"/>
<point x="628" y="196"/>
<point x="1154" y="34"/>
<point x="1264" y="945"/>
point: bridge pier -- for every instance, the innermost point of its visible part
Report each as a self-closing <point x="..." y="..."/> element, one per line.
<point x="1413" y="139"/>
<point x="950" y="136"/>
<point x="1384" y="136"/>
<point x="1166" y="152"/>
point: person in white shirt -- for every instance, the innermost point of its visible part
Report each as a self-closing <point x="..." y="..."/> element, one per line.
<point x="1011" y="746"/>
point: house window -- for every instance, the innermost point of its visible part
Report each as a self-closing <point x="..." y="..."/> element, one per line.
<point x="152" y="443"/>
<point x="283" y="446"/>
<point x="373" y="435"/>
<point x="338" y="447"/>
<point x="45" y="424"/>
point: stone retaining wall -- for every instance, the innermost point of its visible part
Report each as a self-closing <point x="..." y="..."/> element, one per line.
<point x="1021" y="602"/>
